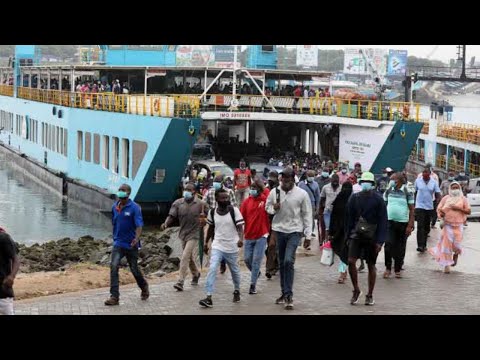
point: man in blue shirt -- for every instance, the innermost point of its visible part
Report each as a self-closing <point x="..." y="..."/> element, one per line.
<point x="366" y="230"/>
<point x="425" y="188"/>
<point x="127" y="227"/>
<point x="313" y="191"/>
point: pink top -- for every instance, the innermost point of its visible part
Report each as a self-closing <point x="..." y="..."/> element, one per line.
<point x="453" y="217"/>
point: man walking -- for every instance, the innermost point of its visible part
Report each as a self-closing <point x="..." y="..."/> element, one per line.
<point x="226" y="228"/>
<point x="327" y="196"/>
<point x="293" y="219"/>
<point x="322" y="180"/>
<point x="426" y="188"/>
<point x="9" y="265"/>
<point x="241" y="182"/>
<point x="313" y="191"/>
<point x="401" y="217"/>
<point x="272" y="265"/>
<point x="127" y="223"/>
<point x="190" y="212"/>
<point x="366" y="228"/>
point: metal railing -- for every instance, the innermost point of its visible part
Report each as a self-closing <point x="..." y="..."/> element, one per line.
<point x="151" y="105"/>
<point x="359" y="109"/>
<point x="6" y="90"/>
<point x="426" y="127"/>
<point x="474" y="170"/>
<point x="456" y="165"/>
<point x="461" y="132"/>
<point x="441" y="161"/>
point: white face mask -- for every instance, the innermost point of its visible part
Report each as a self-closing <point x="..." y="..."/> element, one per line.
<point x="455" y="192"/>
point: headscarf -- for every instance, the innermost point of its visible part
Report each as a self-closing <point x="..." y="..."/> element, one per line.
<point x="452" y="199"/>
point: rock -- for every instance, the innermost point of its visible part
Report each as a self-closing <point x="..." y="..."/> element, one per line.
<point x="174" y="260"/>
<point x="158" y="273"/>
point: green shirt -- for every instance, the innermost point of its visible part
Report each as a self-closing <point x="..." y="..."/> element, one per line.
<point x="397" y="203"/>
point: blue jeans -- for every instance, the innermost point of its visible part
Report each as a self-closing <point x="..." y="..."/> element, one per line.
<point x="132" y="257"/>
<point x="286" y="247"/>
<point x="232" y="261"/>
<point x="326" y="218"/>
<point x="253" y="256"/>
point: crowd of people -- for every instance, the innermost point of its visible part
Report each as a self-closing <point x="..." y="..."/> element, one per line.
<point x="356" y="213"/>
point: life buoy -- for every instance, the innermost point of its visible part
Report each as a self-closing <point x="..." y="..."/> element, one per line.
<point x="234" y="103"/>
<point x="156" y="105"/>
<point x="191" y="130"/>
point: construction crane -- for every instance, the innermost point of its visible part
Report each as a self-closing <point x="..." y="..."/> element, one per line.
<point x="430" y="54"/>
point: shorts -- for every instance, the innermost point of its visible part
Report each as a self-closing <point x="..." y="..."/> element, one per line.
<point x="6" y="306"/>
<point x="366" y="251"/>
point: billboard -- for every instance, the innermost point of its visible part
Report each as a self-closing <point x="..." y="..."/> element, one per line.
<point x="397" y="62"/>
<point x="307" y="55"/>
<point x="195" y="55"/>
<point x="224" y="56"/>
<point x="365" y="61"/>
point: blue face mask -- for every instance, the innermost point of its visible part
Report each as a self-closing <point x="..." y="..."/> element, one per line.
<point x="187" y="195"/>
<point x="366" y="186"/>
<point x="122" y="194"/>
<point x="451" y="178"/>
<point x="217" y="185"/>
<point x="392" y="183"/>
<point x="253" y="192"/>
<point x="344" y="171"/>
<point x="310" y="179"/>
<point x="325" y="174"/>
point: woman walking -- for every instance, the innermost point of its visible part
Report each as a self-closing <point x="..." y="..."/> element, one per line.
<point x="337" y="229"/>
<point x="452" y="210"/>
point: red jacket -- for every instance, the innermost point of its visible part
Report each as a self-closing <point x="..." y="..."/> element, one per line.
<point x="256" y="219"/>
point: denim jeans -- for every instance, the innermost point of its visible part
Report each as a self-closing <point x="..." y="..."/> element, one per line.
<point x="326" y="218"/>
<point x="253" y="256"/>
<point x="232" y="261"/>
<point x="286" y="247"/>
<point x="132" y="257"/>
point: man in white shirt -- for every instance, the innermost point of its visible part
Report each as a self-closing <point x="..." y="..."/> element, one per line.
<point x="225" y="225"/>
<point x="293" y="219"/>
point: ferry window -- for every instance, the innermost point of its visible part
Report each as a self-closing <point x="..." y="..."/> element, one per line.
<point x="171" y="47"/>
<point x="57" y="139"/>
<point x="79" y="145"/>
<point x="115" y="153"/>
<point x="139" y="148"/>
<point x="106" y="152"/>
<point x="36" y="131"/>
<point x="65" y="141"/>
<point x="60" y="141"/>
<point x="54" y="138"/>
<point x="96" y="148"/>
<point x="125" y="157"/>
<point x="267" y="48"/>
<point x="88" y="146"/>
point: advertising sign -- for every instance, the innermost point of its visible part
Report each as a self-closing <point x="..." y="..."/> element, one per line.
<point x="397" y="62"/>
<point x="307" y="55"/>
<point x="195" y="55"/>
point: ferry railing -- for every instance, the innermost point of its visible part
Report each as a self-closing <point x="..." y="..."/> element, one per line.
<point x="6" y="90"/>
<point x="421" y="157"/>
<point x="441" y="161"/>
<point x="426" y="127"/>
<point x="359" y="109"/>
<point x="456" y="165"/>
<point x="151" y="105"/>
<point x="474" y="170"/>
<point x="461" y="132"/>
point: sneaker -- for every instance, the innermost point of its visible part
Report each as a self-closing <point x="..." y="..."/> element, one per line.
<point x="369" y="300"/>
<point x="252" y="290"/>
<point x="236" y="296"/>
<point x="268" y="275"/>
<point x="280" y="300"/>
<point x="289" y="303"/>
<point x="145" y="293"/>
<point x="112" y="301"/>
<point x="207" y="302"/>
<point x="178" y="286"/>
<point x="355" y="297"/>
<point x="398" y="274"/>
<point x="195" y="280"/>
<point x="387" y="274"/>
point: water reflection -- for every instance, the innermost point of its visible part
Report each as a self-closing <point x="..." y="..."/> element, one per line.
<point x="32" y="213"/>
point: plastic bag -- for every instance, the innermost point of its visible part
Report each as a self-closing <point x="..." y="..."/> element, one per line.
<point x="327" y="254"/>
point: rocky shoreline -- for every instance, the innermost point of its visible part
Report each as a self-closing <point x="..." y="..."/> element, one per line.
<point x="154" y="256"/>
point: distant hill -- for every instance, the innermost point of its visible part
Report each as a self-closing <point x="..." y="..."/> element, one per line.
<point x="60" y="52"/>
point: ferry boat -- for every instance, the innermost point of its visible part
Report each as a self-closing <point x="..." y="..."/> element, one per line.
<point x="85" y="143"/>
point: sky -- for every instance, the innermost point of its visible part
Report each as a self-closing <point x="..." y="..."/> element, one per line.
<point x="443" y="53"/>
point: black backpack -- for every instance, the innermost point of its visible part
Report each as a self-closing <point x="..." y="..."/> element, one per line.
<point x="231" y="210"/>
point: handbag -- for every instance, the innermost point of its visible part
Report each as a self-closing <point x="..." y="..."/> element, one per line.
<point x="327" y="255"/>
<point x="364" y="230"/>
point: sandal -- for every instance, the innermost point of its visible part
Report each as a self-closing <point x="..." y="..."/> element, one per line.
<point x="398" y="275"/>
<point x="387" y="274"/>
<point x="455" y="259"/>
<point x="342" y="278"/>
